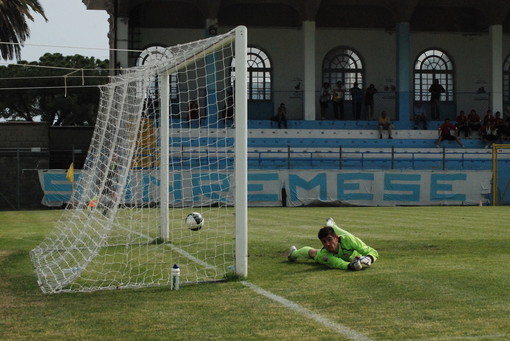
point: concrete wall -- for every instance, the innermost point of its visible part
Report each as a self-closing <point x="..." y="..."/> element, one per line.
<point x="25" y="148"/>
<point x="23" y="135"/>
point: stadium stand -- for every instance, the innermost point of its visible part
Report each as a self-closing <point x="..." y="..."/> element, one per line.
<point x="361" y="148"/>
<point x="310" y="147"/>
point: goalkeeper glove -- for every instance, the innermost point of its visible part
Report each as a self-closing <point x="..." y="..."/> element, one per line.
<point x="366" y="261"/>
<point x="355" y="264"/>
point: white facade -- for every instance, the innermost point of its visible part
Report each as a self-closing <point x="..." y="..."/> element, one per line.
<point x="471" y="56"/>
<point x="473" y="34"/>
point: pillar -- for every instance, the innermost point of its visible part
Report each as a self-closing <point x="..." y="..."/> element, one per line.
<point x="122" y="37"/>
<point x="496" y="34"/>
<point x="309" y="100"/>
<point x="211" y="105"/>
<point x="403" y="76"/>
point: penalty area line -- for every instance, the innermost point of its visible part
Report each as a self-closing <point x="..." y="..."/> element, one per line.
<point x="337" y="327"/>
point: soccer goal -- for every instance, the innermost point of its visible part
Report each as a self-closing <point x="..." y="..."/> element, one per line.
<point x="170" y="139"/>
<point x="500" y="174"/>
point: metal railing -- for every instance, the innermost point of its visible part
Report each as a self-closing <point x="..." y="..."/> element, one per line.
<point x="371" y="158"/>
<point x="340" y="158"/>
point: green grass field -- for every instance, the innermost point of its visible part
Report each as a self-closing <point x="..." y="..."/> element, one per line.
<point x="443" y="274"/>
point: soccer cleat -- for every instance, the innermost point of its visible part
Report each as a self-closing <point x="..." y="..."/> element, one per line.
<point x="290" y="256"/>
<point x="330" y="222"/>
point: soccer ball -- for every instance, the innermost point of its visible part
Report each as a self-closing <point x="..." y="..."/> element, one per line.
<point x="194" y="221"/>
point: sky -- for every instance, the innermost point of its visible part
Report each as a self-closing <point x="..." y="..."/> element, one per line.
<point x="71" y="25"/>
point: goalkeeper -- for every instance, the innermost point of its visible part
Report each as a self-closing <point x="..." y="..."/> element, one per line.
<point x="341" y="250"/>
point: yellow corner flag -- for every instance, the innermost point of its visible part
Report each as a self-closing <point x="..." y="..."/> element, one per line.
<point x="70" y="173"/>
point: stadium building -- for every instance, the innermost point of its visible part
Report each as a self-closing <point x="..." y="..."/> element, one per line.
<point x="400" y="46"/>
<point x="294" y="47"/>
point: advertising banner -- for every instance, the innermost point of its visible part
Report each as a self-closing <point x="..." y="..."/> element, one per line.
<point x="299" y="188"/>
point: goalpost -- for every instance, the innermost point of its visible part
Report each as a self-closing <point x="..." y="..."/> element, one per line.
<point x="170" y="139"/>
<point x="500" y="174"/>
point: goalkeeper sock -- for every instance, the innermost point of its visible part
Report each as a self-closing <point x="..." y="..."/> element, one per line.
<point x="302" y="253"/>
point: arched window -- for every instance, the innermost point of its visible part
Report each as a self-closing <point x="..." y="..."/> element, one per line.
<point x="506" y="82"/>
<point x="153" y="54"/>
<point x="259" y="75"/>
<point x="433" y="64"/>
<point x="343" y="64"/>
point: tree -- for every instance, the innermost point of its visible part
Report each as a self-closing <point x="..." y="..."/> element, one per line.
<point x="13" y="25"/>
<point x="60" y="90"/>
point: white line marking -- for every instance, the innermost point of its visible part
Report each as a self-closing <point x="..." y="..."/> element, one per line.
<point x="178" y="250"/>
<point x="337" y="327"/>
<point x="474" y="337"/>
<point x="191" y="257"/>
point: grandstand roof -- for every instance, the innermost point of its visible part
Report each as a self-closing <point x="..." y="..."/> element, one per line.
<point x="423" y="15"/>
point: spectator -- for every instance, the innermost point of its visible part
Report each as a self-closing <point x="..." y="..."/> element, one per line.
<point x="193" y="113"/>
<point x="281" y="116"/>
<point x="357" y="97"/>
<point x="499" y="124"/>
<point x="506" y="112"/>
<point x="488" y="133"/>
<point x="445" y="133"/>
<point x="435" y="90"/>
<point x="228" y="110"/>
<point x="369" y="101"/>
<point x="419" y="115"/>
<point x="385" y="124"/>
<point x="489" y="118"/>
<point x="324" y="99"/>
<point x="338" y="100"/>
<point x="504" y="131"/>
<point x="473" y="122"/>
<point x="461" y="122"/>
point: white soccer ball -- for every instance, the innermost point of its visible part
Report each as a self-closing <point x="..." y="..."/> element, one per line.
<point x="194" y="221"/>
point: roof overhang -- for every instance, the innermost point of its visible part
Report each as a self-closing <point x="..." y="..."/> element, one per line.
<point x="95" y="4"/>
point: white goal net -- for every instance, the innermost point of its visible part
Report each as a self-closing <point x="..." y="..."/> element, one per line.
<point x="165" y="144"/>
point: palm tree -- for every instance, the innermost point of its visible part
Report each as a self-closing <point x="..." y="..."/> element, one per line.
<point x="13" y="25"/>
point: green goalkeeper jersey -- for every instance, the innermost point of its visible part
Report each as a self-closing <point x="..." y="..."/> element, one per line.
<point x="349" y="247"/>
